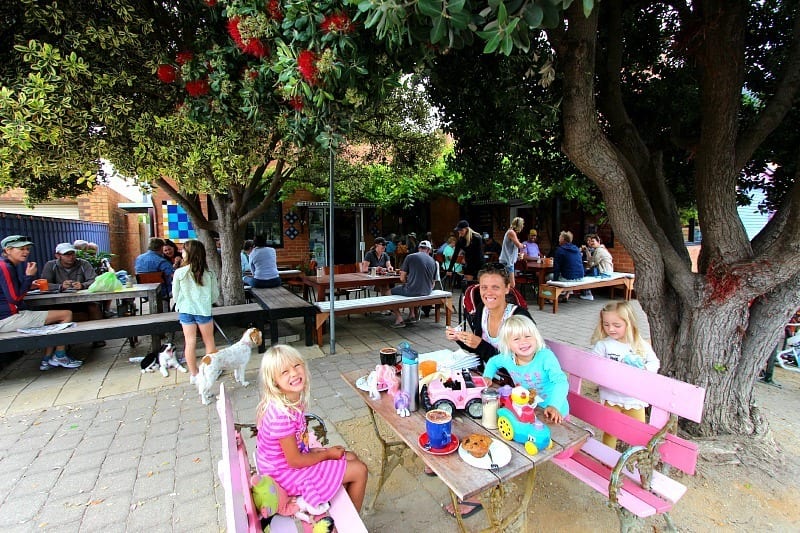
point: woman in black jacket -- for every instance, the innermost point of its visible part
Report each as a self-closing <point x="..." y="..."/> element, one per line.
<point x="472" y="245"/>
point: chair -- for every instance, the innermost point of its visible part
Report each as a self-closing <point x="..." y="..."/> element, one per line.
<point x="154" y="277"/>
<point x="523" y="279"/>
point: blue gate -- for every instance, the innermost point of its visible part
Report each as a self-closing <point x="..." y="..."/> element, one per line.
<point x="47" y="232"/>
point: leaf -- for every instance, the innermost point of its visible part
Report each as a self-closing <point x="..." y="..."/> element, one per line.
<point x="587" y="7"/>
<point x="430" y="8"/>
<point x="492" y="44"/>
<point x="502" y="14"/>
<point x="438" y="30"/>
<point x="456" y="6"/>
<point x="533" y="15"/>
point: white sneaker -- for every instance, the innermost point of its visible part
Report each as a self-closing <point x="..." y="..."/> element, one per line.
<point x="586" y="297"/>
<point x="193" y="379"/>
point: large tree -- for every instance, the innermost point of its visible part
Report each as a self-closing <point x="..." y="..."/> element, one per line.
<point x="197" y="97"/>
<point x="720" y="79"/>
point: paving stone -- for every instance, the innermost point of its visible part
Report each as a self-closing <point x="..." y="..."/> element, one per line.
<point x="76" y="484"/>
<point x="21" y="508"/>
<point x="58" y="513"/>
<point x="120" y="461"/>
<point x="153" y="483"/>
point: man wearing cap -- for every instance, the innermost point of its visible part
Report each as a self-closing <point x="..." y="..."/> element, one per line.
<point x="418" y="274"/>
<point x="16" y="276"/>
<point x="531" y="250"/>
<point x="377" y="257"/>
<point x="69" y="272"/>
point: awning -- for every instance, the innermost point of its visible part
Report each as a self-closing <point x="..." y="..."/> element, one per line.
<point x="304" y="203"/>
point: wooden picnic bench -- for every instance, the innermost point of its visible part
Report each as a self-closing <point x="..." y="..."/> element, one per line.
<point x="629" y="479"/>
<point x="153" y="325"/>
<point x="235" y="474"/>
<point x="438" y="299"/>
<point x="281" y="303"/>
<point x="555" y="288"/>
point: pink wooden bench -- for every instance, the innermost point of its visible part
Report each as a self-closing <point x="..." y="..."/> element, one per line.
<point x="235" y="473"/>
<point x="629" y="479"/>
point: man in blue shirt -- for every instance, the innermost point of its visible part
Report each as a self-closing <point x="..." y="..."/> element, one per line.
<point x="153" y="261"/>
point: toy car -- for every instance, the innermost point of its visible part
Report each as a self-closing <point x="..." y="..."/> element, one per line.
<point x="459" y="390"/>
<point x="517" y="421"/>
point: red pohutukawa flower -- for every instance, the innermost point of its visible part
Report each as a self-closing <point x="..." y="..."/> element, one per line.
<point x="296" y="102"/>
<point x="274" y="10"/>
<point x="211" y="3"/>
<point x="253" y="46"/>
<point x="307" y="65"/>
<point x="197" y="88"/>
<point x="183" y="57"/>
<point x="167" y="73"/>
<point x="339" y="22"/>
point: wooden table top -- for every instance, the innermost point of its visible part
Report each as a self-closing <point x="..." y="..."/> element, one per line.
<point x="463" y="479"/>
<point x="70" y="297"/>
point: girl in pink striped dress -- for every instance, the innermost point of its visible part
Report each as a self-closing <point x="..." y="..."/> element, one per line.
<point x="283" y="453"/>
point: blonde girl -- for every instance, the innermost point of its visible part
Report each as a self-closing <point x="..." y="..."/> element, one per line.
<point x="617" y="337"/>
<point x="511" y="250"/>
<point x="195" y="289"/>
<point x="531" y="364"/>
<point x="283" y="451"/>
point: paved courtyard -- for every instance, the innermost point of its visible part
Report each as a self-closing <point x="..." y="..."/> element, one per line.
<point x="107" y="448"/>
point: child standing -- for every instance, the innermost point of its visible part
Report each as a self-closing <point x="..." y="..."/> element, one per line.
<point x="283" y="450"/>
<point x="195" y="289"/>
<point x="532" y="365"/>
<point x="617" y="337"/>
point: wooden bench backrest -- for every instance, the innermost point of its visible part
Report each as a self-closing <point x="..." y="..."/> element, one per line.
<point x="234" y="472"/>
<point x="664" y="394"/>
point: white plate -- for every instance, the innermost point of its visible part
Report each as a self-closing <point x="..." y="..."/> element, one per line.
<point x="501" y="454"/>
<point x="361" y="383"/>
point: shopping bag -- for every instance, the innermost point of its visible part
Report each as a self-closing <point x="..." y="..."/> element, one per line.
<point x="106" y="282"/>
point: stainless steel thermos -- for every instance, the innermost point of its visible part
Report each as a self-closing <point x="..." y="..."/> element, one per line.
<point x="409" y="375"/>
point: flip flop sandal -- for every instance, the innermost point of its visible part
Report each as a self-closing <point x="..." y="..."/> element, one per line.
<point x="474" y="508"/>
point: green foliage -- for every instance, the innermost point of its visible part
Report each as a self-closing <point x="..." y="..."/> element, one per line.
<point x="59" y="64"/>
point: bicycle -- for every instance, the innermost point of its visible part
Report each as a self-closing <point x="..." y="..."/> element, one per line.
<point x="788" y="358"/>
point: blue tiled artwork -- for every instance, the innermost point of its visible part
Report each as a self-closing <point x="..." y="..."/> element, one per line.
<point x="177" y="225"/>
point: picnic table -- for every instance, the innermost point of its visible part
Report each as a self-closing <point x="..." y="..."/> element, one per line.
<point x="56" y="298"/>
<point x="319" y="284"/>
<point x="464" y="480"/>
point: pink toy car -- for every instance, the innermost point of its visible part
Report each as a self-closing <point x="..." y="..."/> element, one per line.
<point x="459" y="391"/>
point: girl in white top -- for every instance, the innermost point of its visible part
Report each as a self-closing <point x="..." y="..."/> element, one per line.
<point x="617" y="337"/>
<point x="511" y="250"/>
<point x="195" y="289"/>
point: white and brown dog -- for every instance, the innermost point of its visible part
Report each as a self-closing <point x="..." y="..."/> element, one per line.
<point x="163" y="360"/>
<point x="233" y="357"/>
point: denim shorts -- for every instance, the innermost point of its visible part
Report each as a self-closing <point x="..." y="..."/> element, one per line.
<point x="186" y="318"/>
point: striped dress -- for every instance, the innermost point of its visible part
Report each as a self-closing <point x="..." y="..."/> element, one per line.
<point x="316" y="484"/>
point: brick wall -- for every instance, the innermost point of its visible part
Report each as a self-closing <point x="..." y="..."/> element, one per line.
<point x="123" y="227"/>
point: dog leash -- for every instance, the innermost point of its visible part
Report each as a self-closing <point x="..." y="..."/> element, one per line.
<point x="221" y="332"/>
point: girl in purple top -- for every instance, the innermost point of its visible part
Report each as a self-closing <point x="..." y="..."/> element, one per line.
<point x="314" y="474"/>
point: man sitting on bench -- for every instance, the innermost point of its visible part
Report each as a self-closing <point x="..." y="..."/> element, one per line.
<point x="418" y="274"/>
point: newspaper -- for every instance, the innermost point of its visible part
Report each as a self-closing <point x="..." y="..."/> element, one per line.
<point x="44" y="330"/>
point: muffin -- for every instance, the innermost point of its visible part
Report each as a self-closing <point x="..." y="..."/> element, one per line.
<point x="477" y="445"/>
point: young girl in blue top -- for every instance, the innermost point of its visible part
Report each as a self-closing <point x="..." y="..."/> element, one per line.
<point x="195" y="289"/>
<point x="532" y="365"/>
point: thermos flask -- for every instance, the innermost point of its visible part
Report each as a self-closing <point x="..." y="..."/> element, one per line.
<point x="409" y="375"/>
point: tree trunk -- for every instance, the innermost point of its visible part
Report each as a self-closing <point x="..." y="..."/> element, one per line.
<point x="716" y="328"/>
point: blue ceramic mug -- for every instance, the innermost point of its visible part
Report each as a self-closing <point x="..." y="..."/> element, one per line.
<point x="439" y="426"/>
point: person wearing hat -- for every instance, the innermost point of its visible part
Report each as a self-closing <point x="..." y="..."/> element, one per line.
<point x="417" y="274"/>
<point x="69" y="272"/>
<point x="531" y="250"/>
<point x="471" y="244"/>
<point x="16" y="276"/>
<point x="378" y="258"/>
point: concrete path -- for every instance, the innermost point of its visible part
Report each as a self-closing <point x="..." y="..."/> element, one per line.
<point x="106" y="448"/>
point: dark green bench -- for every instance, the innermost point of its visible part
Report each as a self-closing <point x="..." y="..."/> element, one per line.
<point x="280" y="303"/>
<point x="153" y="325"/>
